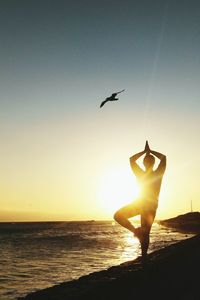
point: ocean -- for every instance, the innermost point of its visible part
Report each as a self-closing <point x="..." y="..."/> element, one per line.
<point x="41" y="254"/>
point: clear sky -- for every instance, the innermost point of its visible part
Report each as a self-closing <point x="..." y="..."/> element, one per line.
<point x="61" y="156"/>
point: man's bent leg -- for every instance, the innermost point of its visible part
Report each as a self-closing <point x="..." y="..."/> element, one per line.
<point x="126" y="212"/>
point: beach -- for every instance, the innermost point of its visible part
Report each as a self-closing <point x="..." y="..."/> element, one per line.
<point x="169" y="273"/>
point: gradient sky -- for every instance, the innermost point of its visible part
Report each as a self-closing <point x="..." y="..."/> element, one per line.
<point x="61" y="156"/>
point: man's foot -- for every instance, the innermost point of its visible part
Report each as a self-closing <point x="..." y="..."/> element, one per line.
<point x="144" y="258"/>
<point x="139" y="234"/>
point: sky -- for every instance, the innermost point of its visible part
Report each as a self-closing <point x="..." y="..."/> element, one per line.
<point x="61" y="156"/>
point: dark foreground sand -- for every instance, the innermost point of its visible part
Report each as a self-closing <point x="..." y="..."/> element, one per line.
<point x="170" y="273"/>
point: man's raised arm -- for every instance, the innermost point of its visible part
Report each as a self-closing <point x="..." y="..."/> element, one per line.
<point x="136" y="169"/>
<point x="163" y="159"/>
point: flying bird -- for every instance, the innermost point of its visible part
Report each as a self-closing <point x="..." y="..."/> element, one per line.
<point x="111" y="98"/>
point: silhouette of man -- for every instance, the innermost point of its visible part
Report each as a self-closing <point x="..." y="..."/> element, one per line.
<point x="146" y="205"/>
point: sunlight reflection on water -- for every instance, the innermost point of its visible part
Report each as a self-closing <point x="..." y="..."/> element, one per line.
<point x="131" y="248"/>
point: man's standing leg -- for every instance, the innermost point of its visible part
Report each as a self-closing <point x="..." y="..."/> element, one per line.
<point x="147" y="219"/>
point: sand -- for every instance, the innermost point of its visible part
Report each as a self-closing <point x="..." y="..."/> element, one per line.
<point x="169" y="273"/>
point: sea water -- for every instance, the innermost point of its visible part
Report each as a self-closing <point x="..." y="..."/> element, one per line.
<point x="41" y="254"/>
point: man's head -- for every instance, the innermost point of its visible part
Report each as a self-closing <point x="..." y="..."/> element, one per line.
<point x="149" y="161"/>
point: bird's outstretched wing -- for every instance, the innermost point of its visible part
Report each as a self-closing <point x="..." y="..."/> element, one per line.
<point x="102" y="103"/>
<point x="120" y="91"/>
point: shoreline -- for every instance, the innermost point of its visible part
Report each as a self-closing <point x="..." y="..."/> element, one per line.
<point x="168" y="273"/>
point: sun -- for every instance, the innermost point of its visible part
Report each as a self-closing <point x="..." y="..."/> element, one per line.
<point x="117" y="187"/>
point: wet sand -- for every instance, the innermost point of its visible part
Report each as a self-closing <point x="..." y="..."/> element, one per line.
<point x="169" y="273"/>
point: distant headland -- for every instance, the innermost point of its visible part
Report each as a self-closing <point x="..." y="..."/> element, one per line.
<point x="189" y="222"/>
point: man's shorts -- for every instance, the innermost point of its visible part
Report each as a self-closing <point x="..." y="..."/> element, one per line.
<point x="145" y="205"/>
